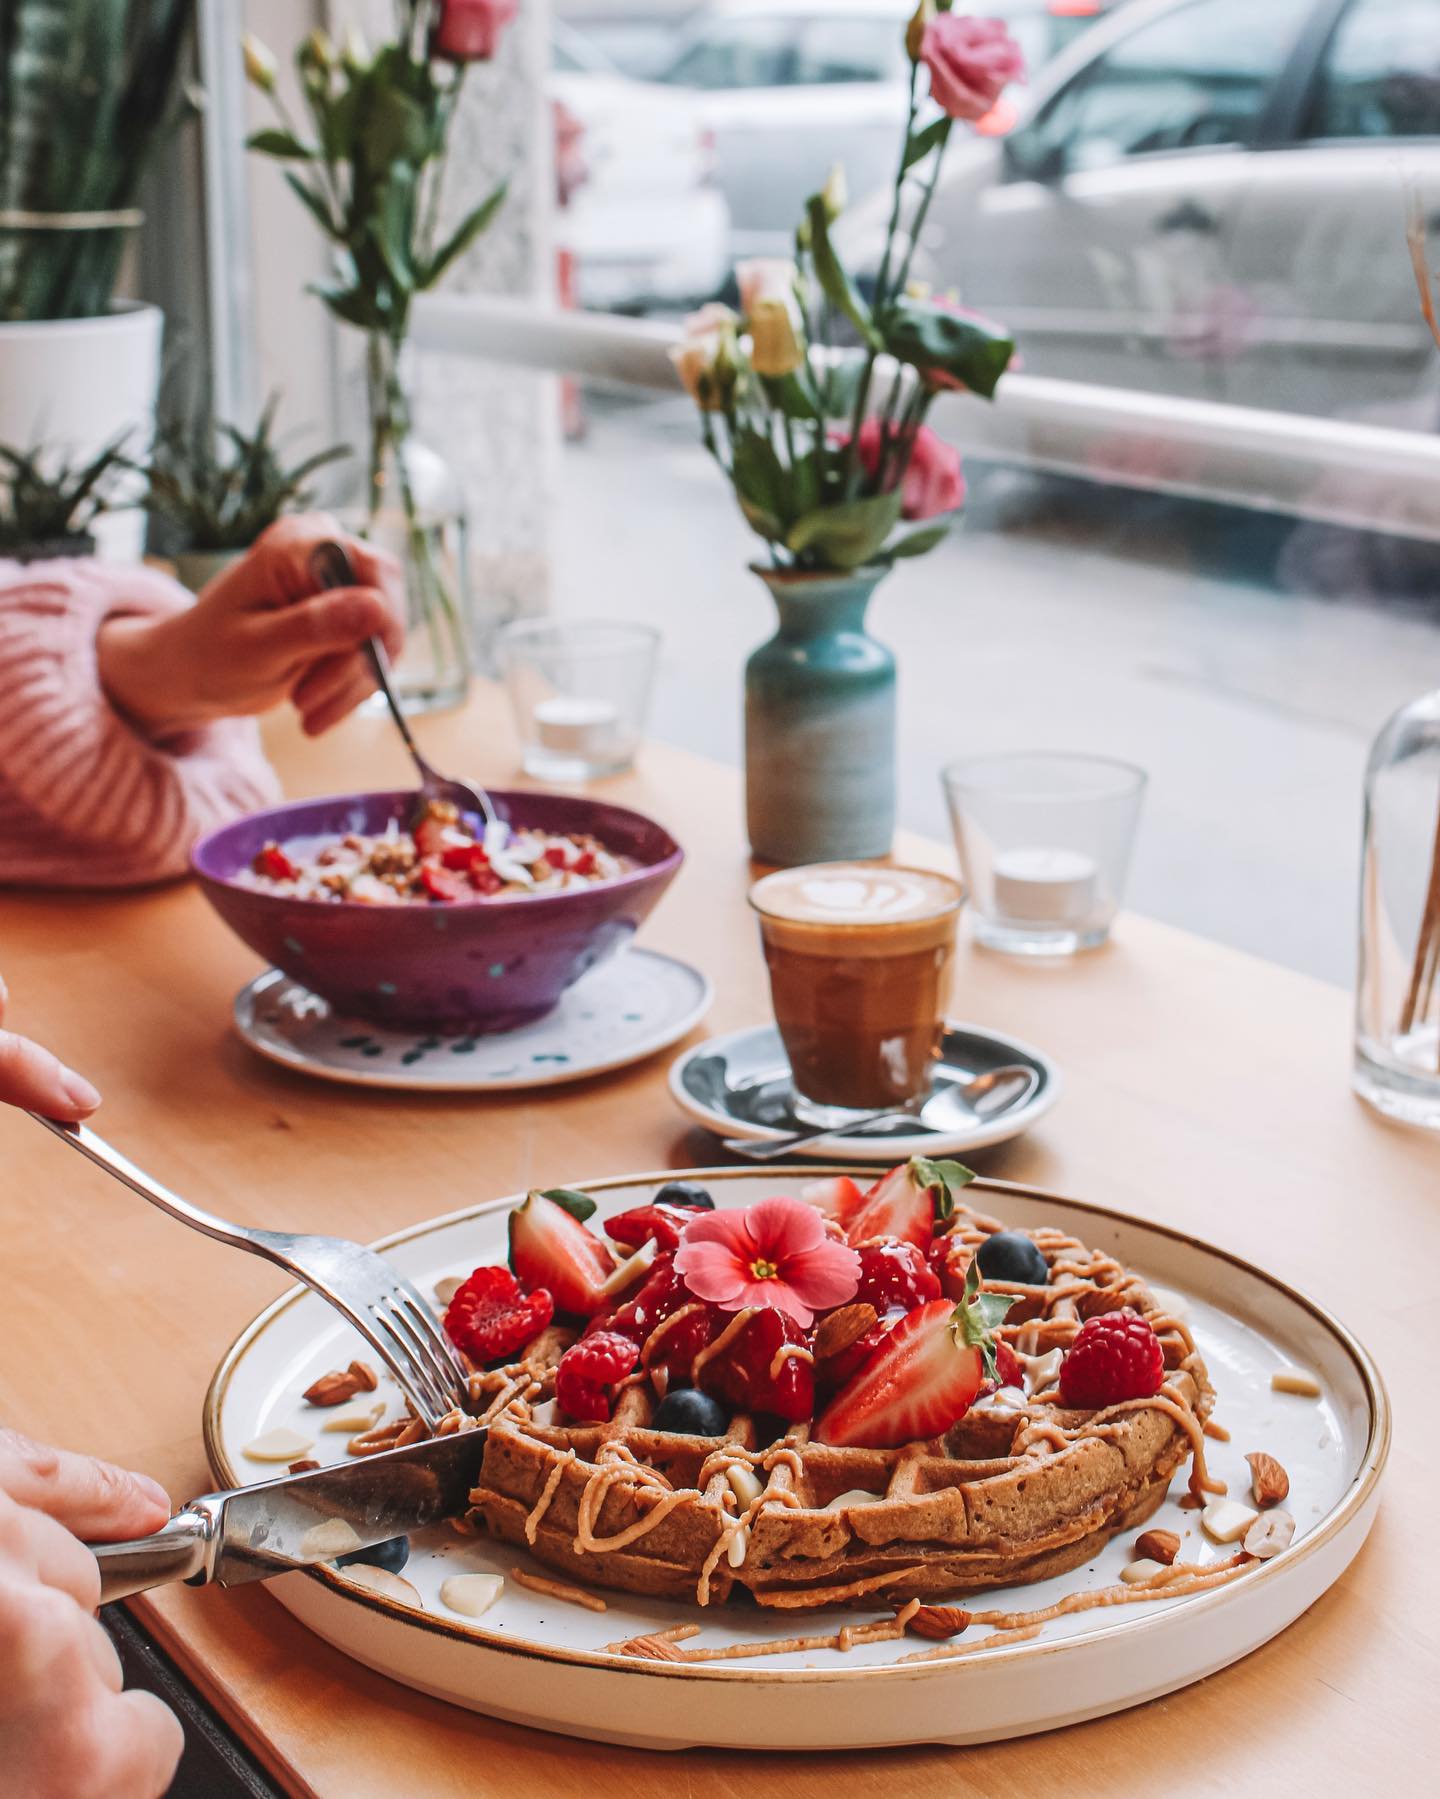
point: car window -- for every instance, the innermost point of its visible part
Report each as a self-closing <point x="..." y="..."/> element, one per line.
<point x="1381" y="75"/>
<point x="1197" y="77"/>
<point x="737" y="53"/>
<point x="842" y="49"/>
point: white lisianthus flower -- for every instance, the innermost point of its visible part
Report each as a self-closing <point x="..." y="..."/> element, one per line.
<point x="772" y="314"/>
<point x="705" y="360"/>
<point x="260" y="65"/>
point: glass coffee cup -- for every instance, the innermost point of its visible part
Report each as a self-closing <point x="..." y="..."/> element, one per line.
<point x="860" y="959"/>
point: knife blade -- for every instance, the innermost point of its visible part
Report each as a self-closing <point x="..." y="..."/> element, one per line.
<point x="276" y="1526"/>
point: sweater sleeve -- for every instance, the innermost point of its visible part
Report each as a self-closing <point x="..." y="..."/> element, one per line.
<point x="86" y="800"/>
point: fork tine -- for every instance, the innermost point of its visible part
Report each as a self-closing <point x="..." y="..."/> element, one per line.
<point x="437" y="1371"/>
<point x="429" y="1399"/>
<point x="435" y="1334"/>
<point x="414" y="1381"/>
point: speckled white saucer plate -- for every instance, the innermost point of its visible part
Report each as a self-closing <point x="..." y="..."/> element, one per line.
<point x="543" y="1663"/>
<point x="631" y="1006"/>
<point x="738" y="1085"/>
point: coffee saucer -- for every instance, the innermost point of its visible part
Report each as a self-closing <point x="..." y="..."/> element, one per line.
<point x="628" y="1008"/>
<point x="739" y="1085"/>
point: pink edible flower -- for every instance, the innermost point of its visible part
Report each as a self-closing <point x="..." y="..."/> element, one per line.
<point x="971" y="63"/>
<point x="775" y="1253"/>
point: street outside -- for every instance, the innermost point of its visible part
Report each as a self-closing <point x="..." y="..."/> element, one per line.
<point x="1245" y="662"/>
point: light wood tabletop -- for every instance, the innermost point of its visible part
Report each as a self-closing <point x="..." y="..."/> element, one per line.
<point x="1202" y="1088"/>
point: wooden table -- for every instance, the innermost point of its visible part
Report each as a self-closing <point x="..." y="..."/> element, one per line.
<point x="1203" y="1088"/>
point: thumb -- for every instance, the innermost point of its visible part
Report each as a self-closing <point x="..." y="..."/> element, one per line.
<point x="93" y="1499"/>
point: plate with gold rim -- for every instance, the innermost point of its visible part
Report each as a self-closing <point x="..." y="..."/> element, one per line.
<point x="536" y="1661"/>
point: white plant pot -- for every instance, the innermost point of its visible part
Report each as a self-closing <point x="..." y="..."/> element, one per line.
<point x="73" y="385"/>
<point x="193" y="568"/>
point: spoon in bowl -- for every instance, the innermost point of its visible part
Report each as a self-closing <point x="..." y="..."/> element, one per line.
<point x="331" y="567"/>
<point x="951" y="1108"/>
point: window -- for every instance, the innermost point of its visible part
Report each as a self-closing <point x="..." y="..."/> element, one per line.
<point x="1196" y="78"/>
<point x="1382" y="73"/>
<point x="741" y="53"/>
<point x="841" y="49"/>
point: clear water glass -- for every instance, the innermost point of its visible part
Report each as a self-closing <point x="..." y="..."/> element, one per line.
<point x="580" y="690"/>
<point x="1397" y="1012"/>
<point x="1044" y="842"/>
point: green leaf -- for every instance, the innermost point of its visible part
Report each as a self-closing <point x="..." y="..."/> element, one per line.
<point x="462" y="237"/>
<point x="337" y="125"/>
<point x="578" y="1205"/>
<point x="315" y="205"/>
<point x="839" y="289"/>
<point x="352" y="304"/>
<point x="759" y="477"/>
<point x="973" y="351"/>
<point x="918" y="542"/>
<point x="763" y="523"/>
<point x="919" y="144"/>
<point x="283" y="144"/>
<point x="976" y="1317"/>
<point x="786" y="393"/>
<point x="847" y="535"/>
<point x="394" y="129"/>
<point x="943" y="1179"/>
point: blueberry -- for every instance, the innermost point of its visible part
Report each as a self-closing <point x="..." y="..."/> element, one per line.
<point x="1012" y="1256"/>
<point x="685" y="1193"/>
<point x="391" y="1555"/>
<point x="692" y="1413"/>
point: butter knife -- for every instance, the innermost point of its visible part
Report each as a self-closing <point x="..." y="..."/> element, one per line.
<point x="277" y="1526"/>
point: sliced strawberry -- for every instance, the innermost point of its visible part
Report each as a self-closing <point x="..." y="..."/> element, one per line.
<point x="1009" y="1369"/>
<point x="950" y="1259"/>
<point x="747" y="1373"/>
<point x="839" y="1197"/>
<point x="273" y="861"/>
<point x="465" y="857"/>
<point x="908" y="1203"/>
<point x="584" y="863"/>
<point x="663" y="1223"/>
<point x="895" y="1277"/>
<point x="549" y="1248"/>
<point x="922" y="1378"/>
<point x="442" y="883"/>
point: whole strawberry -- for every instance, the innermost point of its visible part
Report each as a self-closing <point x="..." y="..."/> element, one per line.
<point x="1113" y="1358"/>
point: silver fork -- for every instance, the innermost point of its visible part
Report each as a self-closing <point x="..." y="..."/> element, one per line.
<point x="362" y="1286"/>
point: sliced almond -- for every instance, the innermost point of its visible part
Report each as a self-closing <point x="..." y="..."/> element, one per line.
<point x="1227" y="1520"/>
<point x="382" y="1581"/>
<point x="1269" y="1534"/>
<point x="331" y="1537"/>
<point x="1158" y="1546"/>
<point x="1145" y="1569"/>
<point x="856" y="1496"/>
<point x="278" y="1445"/>
<point x="842" y="1328"/>
<point x="446" y="1289"/>
<point x="1295" y="1380"/>
<point x="471" y="1595"/>
<point x="938" y="1622"/>
<point x="739" y="1547"/>
<point x="1268" y="1480"/>
<point x="1042" y="1371"/>
<point x="744" y="1483"/>
<point x="626" y="1273"/>
<point x="354" y="1418"/>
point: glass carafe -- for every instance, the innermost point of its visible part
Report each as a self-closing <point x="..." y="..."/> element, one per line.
<point x="1397" y="1011"/>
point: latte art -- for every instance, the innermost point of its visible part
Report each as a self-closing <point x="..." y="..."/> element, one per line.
<point x="853" y="894"/>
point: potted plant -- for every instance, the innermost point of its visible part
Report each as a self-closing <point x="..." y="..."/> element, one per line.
<point x="87" y="90"/>
<point x="826" y="446"/>
<point x="48" y="502"/>
<point x="368" y="165"/>
<point x="218" y="487"/>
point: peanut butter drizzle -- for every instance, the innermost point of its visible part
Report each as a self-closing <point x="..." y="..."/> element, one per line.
<point x="1191" y="1578"/>
<point x="558" y="1589"/>
<point x="666" y="1324"/>
<point x="542" y="1504"/>
<point x="788" y="1352"/>
<point x="723" y="1341"/>
<point x="1217" y="1431"/>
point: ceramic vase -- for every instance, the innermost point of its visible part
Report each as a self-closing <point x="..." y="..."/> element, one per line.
<point x="820" y="724"/>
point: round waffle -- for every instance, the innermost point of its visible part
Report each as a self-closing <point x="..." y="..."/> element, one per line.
<point x="1022" y="1488"/>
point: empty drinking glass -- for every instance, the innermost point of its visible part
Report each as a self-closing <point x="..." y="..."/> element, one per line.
<point x="1044" y="843"/>
<point x="581" y="692"/>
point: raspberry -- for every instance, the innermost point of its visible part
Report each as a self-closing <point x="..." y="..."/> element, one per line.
<point x="490" y="1318"/>
<point x="895" y="1277"/>
<point x="1114" y="1357"/>
<point x="589" y="1368"/>
<point x="1008" y="1366"/>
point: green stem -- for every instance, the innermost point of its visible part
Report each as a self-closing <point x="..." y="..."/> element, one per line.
<point x="881" y="278"/>
<point x="919" y="220"/>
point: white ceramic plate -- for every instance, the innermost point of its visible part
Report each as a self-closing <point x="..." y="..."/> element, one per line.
<point x="738" y="1085"/>
<point x="542" y="1663"/>
<point x="631" y="1006"/>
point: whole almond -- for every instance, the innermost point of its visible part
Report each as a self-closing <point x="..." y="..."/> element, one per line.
<point x="1157" y="1546"/>
<point x="843" y="1328"/>
<point x="653" y="1649"/>
<point x="938" y="1622"/>
<point x="1268" y="1480"/>
<point x="333" y="1389"/>
<point x="365" y="1376"/>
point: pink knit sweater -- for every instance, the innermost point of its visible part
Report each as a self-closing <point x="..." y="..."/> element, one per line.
<point x="85" y="799"/>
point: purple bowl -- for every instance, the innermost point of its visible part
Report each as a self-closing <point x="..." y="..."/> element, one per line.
<point x="486" y="965"/>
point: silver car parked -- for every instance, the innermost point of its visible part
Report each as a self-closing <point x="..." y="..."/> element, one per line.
<point x="1206" y="199"/>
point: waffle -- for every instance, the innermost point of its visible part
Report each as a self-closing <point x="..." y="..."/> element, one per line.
<point x="1021" y="1489"/>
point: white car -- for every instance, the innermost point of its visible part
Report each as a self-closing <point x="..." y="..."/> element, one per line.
<point x="645" y="221"/>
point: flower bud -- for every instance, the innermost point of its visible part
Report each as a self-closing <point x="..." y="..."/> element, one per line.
<point x="260" y="65"/>
<point x="915" y="30"/>
<point x="317" y="51"/>
<point x="356" y="54"/>
<point x="835" y="195"/>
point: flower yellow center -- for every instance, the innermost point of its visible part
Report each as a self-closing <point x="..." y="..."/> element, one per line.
<point x="763" y="1270"/>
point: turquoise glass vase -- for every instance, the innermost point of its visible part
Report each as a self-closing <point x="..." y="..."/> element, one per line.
<point x="820" y="724"/>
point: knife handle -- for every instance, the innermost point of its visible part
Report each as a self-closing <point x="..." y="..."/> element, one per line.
<point x="179" y="1550"/>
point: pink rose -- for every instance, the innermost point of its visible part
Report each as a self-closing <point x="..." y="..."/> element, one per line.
<point x="934" y="479"/>
<point x="469" y="30"/>
<point x="971" y="63"/>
